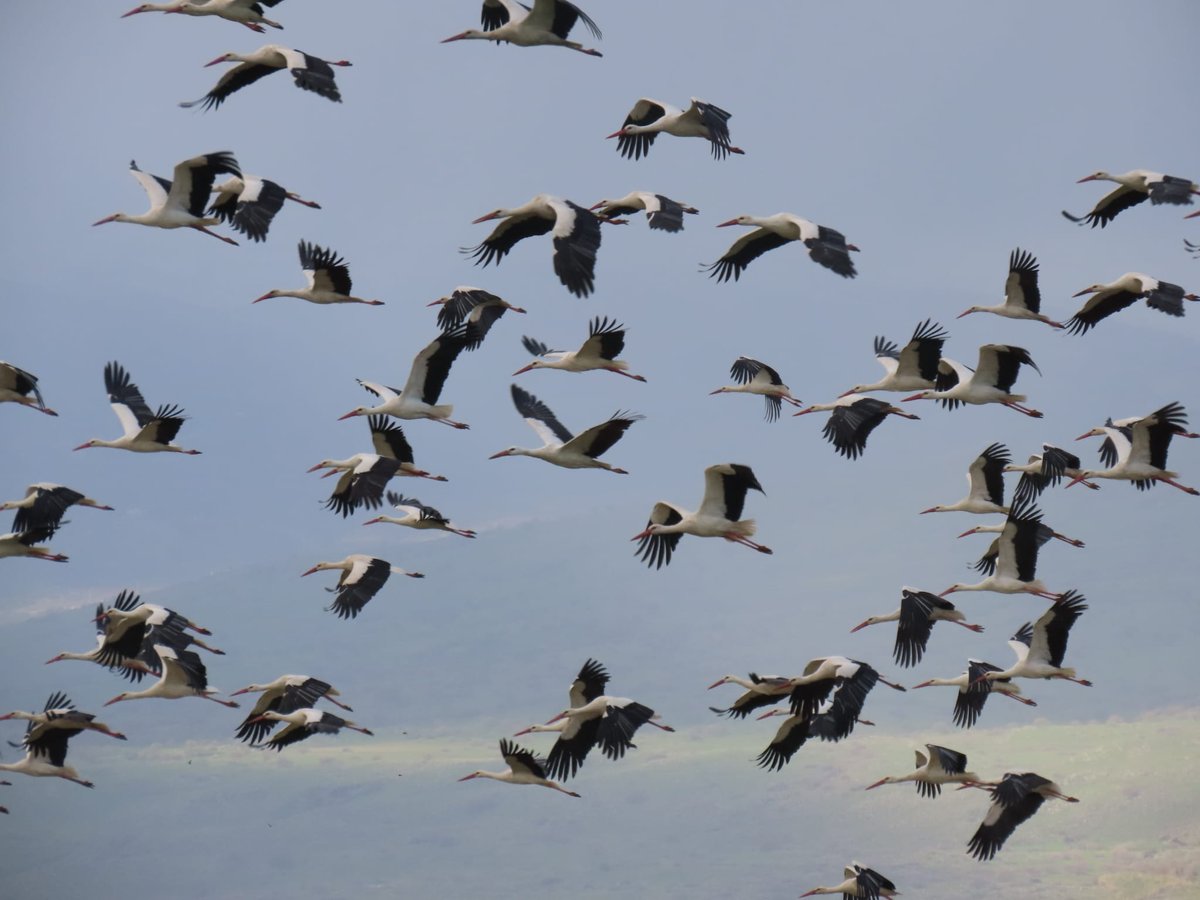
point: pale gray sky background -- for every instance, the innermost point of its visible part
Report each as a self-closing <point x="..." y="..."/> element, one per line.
<point x="936" y="136"/>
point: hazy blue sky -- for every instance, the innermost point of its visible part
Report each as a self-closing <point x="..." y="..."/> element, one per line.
<point x="936" y="136"/>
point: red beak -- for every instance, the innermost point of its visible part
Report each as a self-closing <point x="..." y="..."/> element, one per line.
<point x="219" y="59"/>
<point x="263" y="297"/>
<point x="620" y="133"/>
<point x="726" y="224"/>
<point x="486" y="218"/>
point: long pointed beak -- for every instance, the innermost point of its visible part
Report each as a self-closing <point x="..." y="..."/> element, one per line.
<point x="716" y="684"/>
<point x="106" y="218"/>
<point x="921" y="685"/>
<point x="1084" y="291"/>
<point x="523" y="369"/>
<point x="498" y="455"/>
<point x="1086" y="178"/>
<point x="265" y="296"/>
<point x="967" y="532"/>
<point x="913" y="397"/>
<point x="596" y="206"/>
<point x="81" y="447"/>
<point x="348" y="415"/>
<point x="727" y="224"/>
<point x="847" y="393"/>
<point x="115" y="699"/>
<point x="486" y="218"/>
<point x="876" y="784"/>
<point x="1084" y="436"/>
<point x="316" y="467"/>
<point x="242" y="691"/>
<point x="309" y="572"/>
<point x="964" y="313"/>
<point x="330" y="473"/>
<point x="561" y="715"/>
<point x="472" y="775"/>
<point x="640" y="535"/>
<point x="374" y="521"/>
<point x="456" y="37"/>
<point x="613" y="135"/>
<point x="219" y="59"/>
<point x="859" y="627"/>
<point x="133" y="12"/>
<point x="524" y="731"/>
<point x="931" y="509"/>
<point x="804" y="412"/>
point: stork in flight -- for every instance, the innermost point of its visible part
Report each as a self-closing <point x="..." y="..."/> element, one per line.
<point x="418" y="515"/>
<point x="973" y="691"/>
<point x="480" y="309"/>
<point x="44" y="505"/>
<point x="1136" y="449"/>
<point x="1134" y="187"/>
<point x="183" y="675"/>
<point x="719" y="515"/>
<point x="144" y="431"/>
<point x="1022" y="297"/>
<point x="913" y="368"/>
<point x="1015" y="798"/>
<point x="302" y="723"/>
<point x="244" y="12"/>
<point x="285" y="694"/>
<point x="938" y="766"/>
<point x="523" y="768"/>
<point x="605" y="341"/>
<point x="19" y="386"/>
<point x="575" y="232"/>
<point x="985" y="482"/>
<point x="1015" y="568"/>
<point x="754" y="377"/>
<point x="361" y="579"/>
<point x="990" y="382"/>
<point x="662" y="213"/>
<point x="249" y="204"/>
<point x="1110" y="298"/>
<point x="853" y="419"/>
<point x="310" y="73"/>
<point x="649" y="118"/>
<point x="1041" y="646"/>
<point x="546" y="23"/>
<point x="825" y="246"/>
<point x="559" y="446"/>
<point x="328" y="279"/>
<point x="418" y="399"/>
<point x="919" y="611"/>
<point x="181" y="201"/>
<point x="26" y="543"/>
<point x="861" y="882"/>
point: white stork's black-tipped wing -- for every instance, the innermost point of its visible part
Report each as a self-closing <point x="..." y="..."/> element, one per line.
<point x="987" y="473"/>
<point x="257" y="205"/>
<point x="621" y="719"/>
<point x="669" y="214"/>
<point x="1021" y="287"/>
<point x="725" y="487"/>
<point x="505" y="236"/>
<point x="133" y="413"/>
<point x="869" y="884"/>
<point x="431" y="366"/>
<point x="521" y="760"/>
<point x="791" y="736"/>
<point x="1050" y="632"/>
<point x="193" y="179"/>
<point x="1022" y="538"/>
<point x="325" y="269"/>
<point x="644" y="112"/>
<point x="540" y="418"/>
<point x="22" y="383"/>
<point x="848" y="427"/>
<point x="287" y="700"/>
<point x="588" y="684"/>
<point x="656" y="549"/>
<point x="606" y="339"/>
<point x="576" y="237"/>
<point x="596" y="440"/>
<point x="1055" y="463"/>
<point x="941" y="760"/>
<point x="49" y="505"/>
<point x="357" y="588"/>
<point x="571" y="749"/>
<point x="999" y="364"/>
<point x="1109" y="206"/>
<point x="830" y="249"/>
<point x="534" y="346"/>
<point x="744" y="370"/>
<point x="716" y="121"/>
<point x="752" y="701"/>
<point x="1098" y="307"/>
<point x="916" y="625"/>
<point x="923" y="351"/>
<point x="744" y="251"/>
<point x="970" y="700"/>
<point x="425" y="513"/>
<point x="388" y="439"/>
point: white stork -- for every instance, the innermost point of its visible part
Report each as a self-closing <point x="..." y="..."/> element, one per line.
<point x="244" y="12"/>
<point x="19" y="386"/>
<point x="1022" y="298"/>
<point x="852" y="679"/>
<point x="180" y="202"/>
<point x="825" y="246"/>
<point x="649" y="118"/>
<point x="985" y="479"/>
<point x="390" y="443"/>
<point x="833" y="722"/>
<point x="1135" y="186"/>
<point x="1136" y="449"/>
<point x="58" y="715"/>
<point x="605" y="341"/>
<point x="480" y="309"/>
<point x="1014" y="570"/>
<point x="25" y="543"/>
<point x="361" y="579"/>
<point x="990" y="382"/>
<point x="418" y="515"/>
<point x="919" y="611"/>
<point x="361" y="484"/>
<point x="285" y="694"/>
<point x="860" y="882"/>
<point x="575" y="232"/>
<point x="973" y="692"/>
<point x="913" y="368"/>
<point x="547" y="23"/>
<point x="754" y="377"/>
<point x="47" y="758"/>
<point x="523" y="768"/>
<point x="249" y="204"/>
<point x="419" y="396"/>
<point x="1045" y="534"/>
<point x="854" y="418"/>
<point x="761" y="690"/>
<point x="328" y="279"/>
<point x="1115" y="296"/>
<point x="1040" y="647"/>
<point x="145" y="431"/>
<point x="302" y="724"/>
<point x="725" y="487"/>
<point x="310" y="73"/>
<point x="183" y="675"/>
<point x="1046" y="469"/>
<point x="1015" y="798"/>
<point x="662" y="213"/>
<point x="117" y="649"/>
<point x="559" y="446"/>
<point x="129" y="629"/>
<point x="937" y="767"/>
<point x="44" y="504"/>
